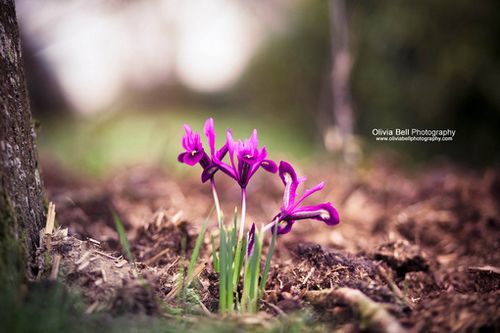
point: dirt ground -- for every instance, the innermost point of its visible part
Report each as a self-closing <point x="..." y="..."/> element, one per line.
<point x="424" y="246"/>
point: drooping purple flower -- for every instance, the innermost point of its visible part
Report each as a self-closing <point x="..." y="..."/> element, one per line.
<point x="291" y="211"/>
<point x="251" y="240"/>
<point x="195" y="153"/>
<point x="245" y="158"/>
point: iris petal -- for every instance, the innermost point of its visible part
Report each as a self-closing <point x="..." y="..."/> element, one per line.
<point x="309" y="192"/>
<point x="209" y="131"/>
<point x="269" y="166"/>
<point x="209" y="172"/>
<point x="180" y="158"/>
<point x="322" y="212"/>
<point x="193" y="157"/>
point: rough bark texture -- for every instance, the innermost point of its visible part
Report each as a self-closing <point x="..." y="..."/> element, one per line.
<point x="22" y="212"/>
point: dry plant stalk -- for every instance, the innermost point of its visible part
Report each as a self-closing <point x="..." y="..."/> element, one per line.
<point x="395" y="289"/>
<point x="197" y="271"/>
<point x="51" y="218"/>
<point x="157" y="257"/>
<point x="487" y="269"/>
<point x="372" y="315"/>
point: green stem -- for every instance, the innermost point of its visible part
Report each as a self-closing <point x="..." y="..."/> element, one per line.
<point x="243" y="212"/>
<point x="239" y="244"/>
<point x="269" y="256"/>
<point x="216" y="201"/>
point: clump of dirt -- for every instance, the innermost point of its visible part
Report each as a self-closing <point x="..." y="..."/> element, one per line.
<point x="107" y="282"/>
<point x="424" y="248"/>
<point x="402" y="257"/>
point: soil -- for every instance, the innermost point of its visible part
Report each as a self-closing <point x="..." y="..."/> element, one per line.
<point x="424" y="246"/>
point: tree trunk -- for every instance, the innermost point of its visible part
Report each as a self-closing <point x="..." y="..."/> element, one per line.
<point x="22" y="212"/>
<point x="341" y="69"/>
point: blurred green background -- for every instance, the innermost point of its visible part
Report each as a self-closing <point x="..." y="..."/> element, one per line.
<point x="415" y="64"/>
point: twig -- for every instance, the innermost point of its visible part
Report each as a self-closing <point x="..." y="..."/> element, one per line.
<point x="159" y="218"/>
<point x="172" y="264"/>
<point x="83" y="258"/>
<point x="487" y="268"/>
<point x="106" y="255"/>
<point x="121" y="263"/>
<point x="94" y="241"/>
<point x="155" y="258"/>
<point x="176" y="218"/>
<point x="275" y="308"/>
<point x="373" y="315"/>
<point x="83" y="266"/>
<point x="308" y="276"/>
<point x="188" y="280"/>
<point x="103" y="274"/>
<point x="394" y="287"/>
<point x="204" y="308"/>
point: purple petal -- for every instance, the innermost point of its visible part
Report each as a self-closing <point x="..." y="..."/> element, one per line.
<point x="193" y="157"/>
<point x="231" y="146"/>
<point x="269" y="166"/>
<point x="209" y="172"/>
<point x="254" y="140"/>
<point x="186" y="139"/>
<point x="197" y="145"/>
<point x="289" y="178"/>
<point x="284" y="227"/>
<point x="309" y="192"/>
<point x="230" y="141"/>
<point x="287" y="173"/>
<point x="263" y="153"/>
<point x="228" y="170"/>
<point x="209" y="131"/>
<point x="180" y="158"/>
<point x="219" y="154"/>
<point x="252" y="168"/>
<point x="323" y="212"/>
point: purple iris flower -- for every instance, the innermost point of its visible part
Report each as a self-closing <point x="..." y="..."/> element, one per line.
<point x="195" y="153"/>
<point x="291" y="211"/>
<point x="248" y="159"/>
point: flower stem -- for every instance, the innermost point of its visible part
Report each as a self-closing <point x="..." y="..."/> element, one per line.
<point x="269" y="225"/>
<point x="216" y="201"/>
<point x="239" y="244"/>
<point x="243" y="212"/>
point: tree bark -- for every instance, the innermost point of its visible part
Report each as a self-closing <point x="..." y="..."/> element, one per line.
<point x="22" y="211"/>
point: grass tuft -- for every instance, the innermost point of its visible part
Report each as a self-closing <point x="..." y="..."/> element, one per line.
<point x="122" y="236"/>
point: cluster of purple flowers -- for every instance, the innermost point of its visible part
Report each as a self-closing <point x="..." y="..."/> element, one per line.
<point x="245" y="158"/>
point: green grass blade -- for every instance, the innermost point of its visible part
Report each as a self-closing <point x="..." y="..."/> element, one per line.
<point x="122" y="236"/>
<point x="214" y="254"/>
<point x="223" y="271"/>
<point x="237" y="251"/>
<point x="246" y="286"/>
<point x="269" y="256"/>
<point x="180" y="285"/>
<point x="196" y="250"/>
<point x="230" y="269"/>
<point x="235" y="221"/>
<point x="181" y="291"/>
<point x="254" y="275"/>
